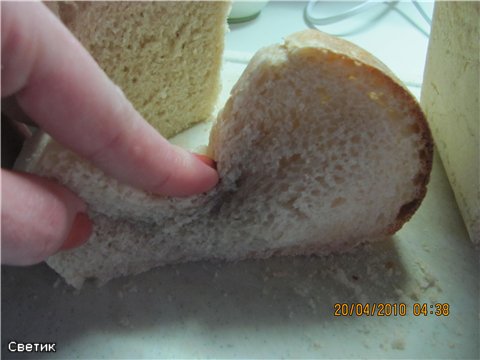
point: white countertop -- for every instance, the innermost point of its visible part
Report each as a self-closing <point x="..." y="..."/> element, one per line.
<point x="283" y="307"/>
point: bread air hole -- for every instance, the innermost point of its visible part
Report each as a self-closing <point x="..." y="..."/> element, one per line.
<point x="337" y="202"/>
<point x="338" y="179"/>
<point x="355" y="139"/>
<point x="285" y="161"/>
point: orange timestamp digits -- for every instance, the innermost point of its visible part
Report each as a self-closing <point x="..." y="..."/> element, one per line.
<point x="390" y="309"/>
<point x="431" y="309"/>
<point x="370" y="309"/>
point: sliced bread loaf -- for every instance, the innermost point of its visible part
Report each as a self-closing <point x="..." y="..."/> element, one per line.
<point x="319" y="149"/>
<point x="165" y="55"/>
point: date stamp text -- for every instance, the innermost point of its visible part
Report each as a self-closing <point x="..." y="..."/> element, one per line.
<point x="391" y="309"/>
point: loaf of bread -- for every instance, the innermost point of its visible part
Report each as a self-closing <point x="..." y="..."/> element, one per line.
<point x="319" y="148"/>
<point x="450" y="98"/>
<point x="165" y="55"/>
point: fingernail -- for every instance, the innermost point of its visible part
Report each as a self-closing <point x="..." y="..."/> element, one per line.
<point x="79" y="233"/>
<point x="206" y="160"/>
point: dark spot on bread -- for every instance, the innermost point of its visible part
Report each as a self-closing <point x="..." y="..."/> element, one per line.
<point x="407" y="210"/>
<point x="91" y="280"/>
<point x="423" y="154"/>
<point x="419" y="179"/>
<point x="389" y="264"/>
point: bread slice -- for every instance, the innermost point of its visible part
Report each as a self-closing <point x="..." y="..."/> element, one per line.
<point x="319" y="148"/>
<point x="451" y="98"/>
<point x="165" y="55"/>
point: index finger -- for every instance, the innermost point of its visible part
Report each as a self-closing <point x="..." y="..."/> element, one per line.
<point x="59" y="86"/>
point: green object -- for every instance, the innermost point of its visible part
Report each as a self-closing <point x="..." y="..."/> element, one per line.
<point x="236" y="20"/>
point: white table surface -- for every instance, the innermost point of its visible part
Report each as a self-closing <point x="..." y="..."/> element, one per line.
<point x="283" y="307"/>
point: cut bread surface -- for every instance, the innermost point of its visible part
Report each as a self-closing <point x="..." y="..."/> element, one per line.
<point x="165" y="55"/>
<point x="319" y="148"/>
<point x="450" y="97"/>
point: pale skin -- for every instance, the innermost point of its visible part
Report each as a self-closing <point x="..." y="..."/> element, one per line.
<point x="58" y="85"/>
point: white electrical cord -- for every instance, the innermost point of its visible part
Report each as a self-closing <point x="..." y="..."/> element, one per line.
<point x="422" y="12"/>
<point x="314" y="20"/>
<point x="365" y="5"/>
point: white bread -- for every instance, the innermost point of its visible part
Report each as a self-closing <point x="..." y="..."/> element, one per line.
<point x="319" y="149"/>
<point x="165" y="55"/>
<point x="450" y="98"/>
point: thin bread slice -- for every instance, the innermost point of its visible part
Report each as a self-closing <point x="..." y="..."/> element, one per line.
<point x="319" y="148"/>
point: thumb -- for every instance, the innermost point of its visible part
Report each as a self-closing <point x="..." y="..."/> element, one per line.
<point x="39" y="218"/>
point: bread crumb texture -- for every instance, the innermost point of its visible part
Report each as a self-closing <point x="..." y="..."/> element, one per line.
<point x="318" y="149"/>
<point x="164" y="55"/>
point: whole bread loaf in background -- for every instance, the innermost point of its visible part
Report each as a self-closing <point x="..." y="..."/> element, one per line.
<point x="165" y="55"/>
<point x="319" y="148"/>
<point x="450" y="98"/>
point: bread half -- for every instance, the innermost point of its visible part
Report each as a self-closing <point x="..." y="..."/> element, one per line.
<point x="319" y="148"/>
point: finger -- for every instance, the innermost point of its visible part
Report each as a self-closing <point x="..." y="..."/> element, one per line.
<point x="61" y="88"/>
<point x="39" y="217"/>
<point x="204" y="158"/>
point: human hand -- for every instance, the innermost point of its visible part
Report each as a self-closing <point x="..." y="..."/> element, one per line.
<point x="58" y="85"/>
